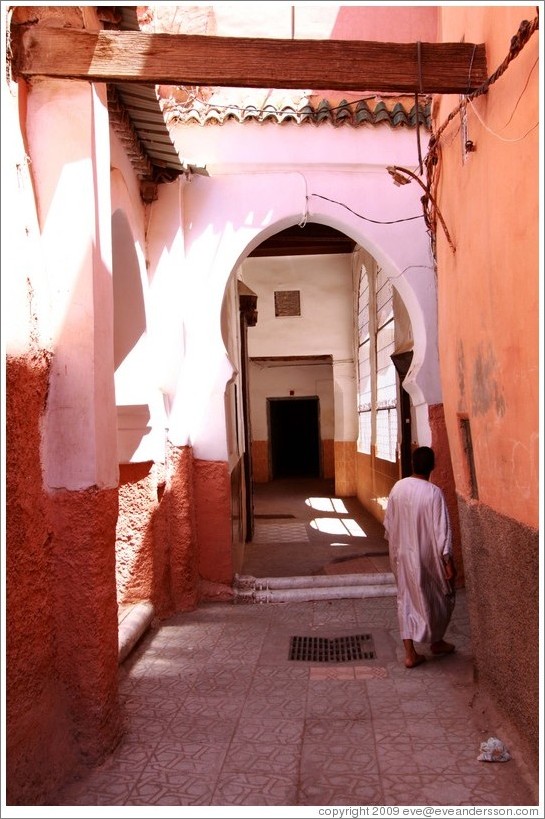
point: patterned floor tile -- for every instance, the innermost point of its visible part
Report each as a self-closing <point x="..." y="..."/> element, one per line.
<point x="222" y="681"/>
<point x="389" y="708"/>
<point x="280" y="706"/>
<point x="217" y="706"/>
<point x="99" y="789"/>
<point x="403" y="789"/>
<point x="338" y="759"/>
<point x="158" y="709"/>
<point x="455" y="789"/>
<point x="294" y="691"/>
<point x="201" y="728"/>
<point x="216" y="714"/>
<point x="172" y="788"/>
<point x="291" y="673"/>
<point x="335" y="704"/>
<point x="396" y="754"/>
<point x="350" y="732"/>
<point x="280" y="533"/>
<point x="286" y="731"/>
<point x="144" y="688"/>
<point x="262" y="757"/>
<point x="187" y="758"/>
<point x="341" y="790"/>
<point x="390" y="731"/>
<point x="438" y="757"/>
<point x="255" y="789"/>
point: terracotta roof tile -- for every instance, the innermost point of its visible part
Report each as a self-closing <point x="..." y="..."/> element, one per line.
<point x="356" y="114"/>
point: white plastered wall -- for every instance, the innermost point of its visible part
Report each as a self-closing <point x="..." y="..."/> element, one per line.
<point x="68" y="138"/>
<point x="262" y="180"/>
<point x="323" y="328"/>
<point x="141" y="417"/>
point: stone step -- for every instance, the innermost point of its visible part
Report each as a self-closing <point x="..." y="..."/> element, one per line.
<point x="248" y="589"/>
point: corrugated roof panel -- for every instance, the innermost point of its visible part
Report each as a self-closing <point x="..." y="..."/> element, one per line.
<point x="144" y="110"/>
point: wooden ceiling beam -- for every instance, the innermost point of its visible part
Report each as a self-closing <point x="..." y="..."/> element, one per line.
<point x="178" y="59"/>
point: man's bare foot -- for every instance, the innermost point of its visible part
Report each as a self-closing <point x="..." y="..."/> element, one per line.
<point x="413" y="661"/>
<point x="441" y="647"/>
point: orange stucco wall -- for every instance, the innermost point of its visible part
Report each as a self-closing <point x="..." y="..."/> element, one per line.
<point x="39" y="742"/>
<point x="375" y="479"/>
<point x="443" y="477"/>
<point x="488" y="289"/>
<point x="213" y="520"/>
<point x="260" y="461"/>
<point x="328" y="458"/>
<point x="62" y="708"/>
<point x="345" y="468"/>
<point x="142" y="554"/>
<point x="174" y="532"/>
<point x="489" y="355"/>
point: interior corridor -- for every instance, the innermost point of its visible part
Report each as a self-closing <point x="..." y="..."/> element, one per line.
<point x="302" y="528"/>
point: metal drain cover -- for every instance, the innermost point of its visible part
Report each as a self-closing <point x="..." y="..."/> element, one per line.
<point x="334" y="650"/>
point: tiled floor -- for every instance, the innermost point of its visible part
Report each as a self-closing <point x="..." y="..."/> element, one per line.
<point x="217" y="715"/>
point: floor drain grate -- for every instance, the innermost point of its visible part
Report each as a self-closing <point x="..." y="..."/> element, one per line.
<point x="335" y="650"/>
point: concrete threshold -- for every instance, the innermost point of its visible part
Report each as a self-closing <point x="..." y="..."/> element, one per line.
<point x="248" y="589"/>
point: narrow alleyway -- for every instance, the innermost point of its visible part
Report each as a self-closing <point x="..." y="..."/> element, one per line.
<point x="218" y="714"/>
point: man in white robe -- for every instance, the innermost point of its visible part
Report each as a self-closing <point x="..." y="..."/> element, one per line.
<point x="417" y="528"/>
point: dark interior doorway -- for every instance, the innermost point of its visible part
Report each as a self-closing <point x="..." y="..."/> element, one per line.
<point x="294" y="431"/>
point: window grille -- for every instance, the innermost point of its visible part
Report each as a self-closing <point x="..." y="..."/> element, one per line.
<point x="287" y="303"/>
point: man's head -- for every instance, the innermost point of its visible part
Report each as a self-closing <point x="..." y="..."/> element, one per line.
<point x="423" y="460"/>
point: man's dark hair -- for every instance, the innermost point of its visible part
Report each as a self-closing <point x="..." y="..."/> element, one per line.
<point x="423" y="460"/>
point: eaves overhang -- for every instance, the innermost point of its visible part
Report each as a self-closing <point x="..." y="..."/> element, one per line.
<point x="138" y="120"/>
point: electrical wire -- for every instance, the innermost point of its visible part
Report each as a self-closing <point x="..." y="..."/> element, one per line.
<point x="366" y="218"/>
<point x="521" y="94"/>
<point x="494" y="133"/>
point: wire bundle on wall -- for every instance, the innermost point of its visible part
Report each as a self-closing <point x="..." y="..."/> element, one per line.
<point x="431" y="161"/>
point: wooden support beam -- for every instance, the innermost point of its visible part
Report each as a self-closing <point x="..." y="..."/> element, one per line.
<point x="179" y="59"/>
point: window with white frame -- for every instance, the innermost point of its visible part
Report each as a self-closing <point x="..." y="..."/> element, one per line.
<point x="377" y="380"/>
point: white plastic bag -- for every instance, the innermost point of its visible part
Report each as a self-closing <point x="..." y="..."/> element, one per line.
<point x="493" y="750"/>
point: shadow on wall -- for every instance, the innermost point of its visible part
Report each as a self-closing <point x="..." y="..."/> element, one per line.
<point x="155" y="540"/>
